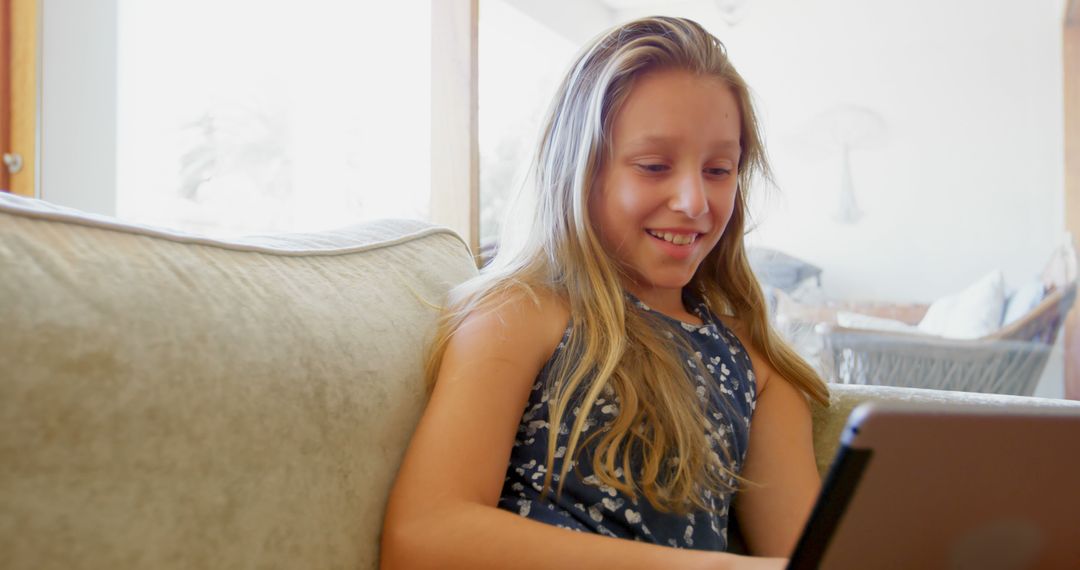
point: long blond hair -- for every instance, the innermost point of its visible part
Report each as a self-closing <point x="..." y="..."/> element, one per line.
<point x="612" y="346"/>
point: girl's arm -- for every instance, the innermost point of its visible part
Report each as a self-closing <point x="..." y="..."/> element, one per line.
<point x="780" y="464"/>
<point x="442" y="511"/>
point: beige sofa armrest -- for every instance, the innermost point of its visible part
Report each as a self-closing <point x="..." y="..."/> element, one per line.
<point x="829" y="422"/>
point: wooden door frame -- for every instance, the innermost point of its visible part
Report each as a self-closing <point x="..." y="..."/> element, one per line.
<point x="6" y="113"/>
<point x="1071" y="59"/>
<point x="19" y="90"/>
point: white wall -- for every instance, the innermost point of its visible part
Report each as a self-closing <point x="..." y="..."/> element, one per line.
<point x="78" y="104"/>
<point x="576" y="20"/>
<point x="969" y="175"/>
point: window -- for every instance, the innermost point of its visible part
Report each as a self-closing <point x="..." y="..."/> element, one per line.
<point x="242" y="116"/>
<point x="521" y="63"/>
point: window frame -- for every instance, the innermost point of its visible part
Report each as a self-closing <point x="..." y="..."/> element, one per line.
<point x="455" y="149"/>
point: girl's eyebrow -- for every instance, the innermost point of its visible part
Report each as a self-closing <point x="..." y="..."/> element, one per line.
<point x="661" y="140"/>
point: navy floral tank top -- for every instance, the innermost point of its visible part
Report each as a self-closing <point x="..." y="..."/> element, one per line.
<point x="589" y="506"/>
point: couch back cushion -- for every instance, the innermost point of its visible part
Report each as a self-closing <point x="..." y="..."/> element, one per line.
<point x="169" y="401"/>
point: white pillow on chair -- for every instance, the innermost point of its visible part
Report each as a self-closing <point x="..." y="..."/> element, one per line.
<point x="1023" y="301"/>
<point x="972" y="313"/>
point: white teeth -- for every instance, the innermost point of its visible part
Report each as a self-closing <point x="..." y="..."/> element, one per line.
<point x="677" y="239"/>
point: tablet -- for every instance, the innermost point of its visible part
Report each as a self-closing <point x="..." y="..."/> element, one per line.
<point x="928" y="486"/>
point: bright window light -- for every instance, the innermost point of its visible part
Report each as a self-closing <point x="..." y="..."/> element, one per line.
<point x="245" y="116"/>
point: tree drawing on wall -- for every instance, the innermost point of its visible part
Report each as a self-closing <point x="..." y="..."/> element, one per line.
<point x="245" y="140"/>
<point x="199" y="163"/>
<point x="837" y="132"/>
<point x="731" y="11"/>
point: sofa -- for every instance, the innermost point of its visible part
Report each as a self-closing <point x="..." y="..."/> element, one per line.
<point x="174" y="401"/>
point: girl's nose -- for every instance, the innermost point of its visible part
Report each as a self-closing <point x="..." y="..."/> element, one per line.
<point x="688" y="195"/>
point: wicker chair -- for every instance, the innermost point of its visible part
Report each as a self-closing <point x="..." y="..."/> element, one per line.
<point x="1009" y="361"/>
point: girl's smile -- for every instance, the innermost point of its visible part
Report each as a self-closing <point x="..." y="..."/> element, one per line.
<point x="676" y="243"/>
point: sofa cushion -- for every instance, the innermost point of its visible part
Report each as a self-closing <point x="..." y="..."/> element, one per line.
<point x="1022" y="301"/>
<point x="972" y="313"/>
<point x="171" y="401"/>
<point x="777" y="269"/>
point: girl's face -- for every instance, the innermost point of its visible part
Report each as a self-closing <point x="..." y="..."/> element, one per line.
<point x="667" y="187"/>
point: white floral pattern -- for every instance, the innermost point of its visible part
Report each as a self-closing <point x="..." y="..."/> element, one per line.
<point x="586" y="505"/>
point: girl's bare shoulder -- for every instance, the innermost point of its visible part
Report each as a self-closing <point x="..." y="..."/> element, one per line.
<point x="530" y="319"/>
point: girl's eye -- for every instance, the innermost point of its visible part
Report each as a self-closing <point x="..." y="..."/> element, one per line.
<point x="718" y="171"/>
<point x="655" y="168"/>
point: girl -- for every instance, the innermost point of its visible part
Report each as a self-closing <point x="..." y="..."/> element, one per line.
<point x="630" y="330"/>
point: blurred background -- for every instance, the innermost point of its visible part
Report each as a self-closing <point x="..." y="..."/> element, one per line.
<point x="919" y="147"/>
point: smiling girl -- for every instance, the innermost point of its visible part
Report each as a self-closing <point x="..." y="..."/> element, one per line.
<point x="608" y="392"/>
